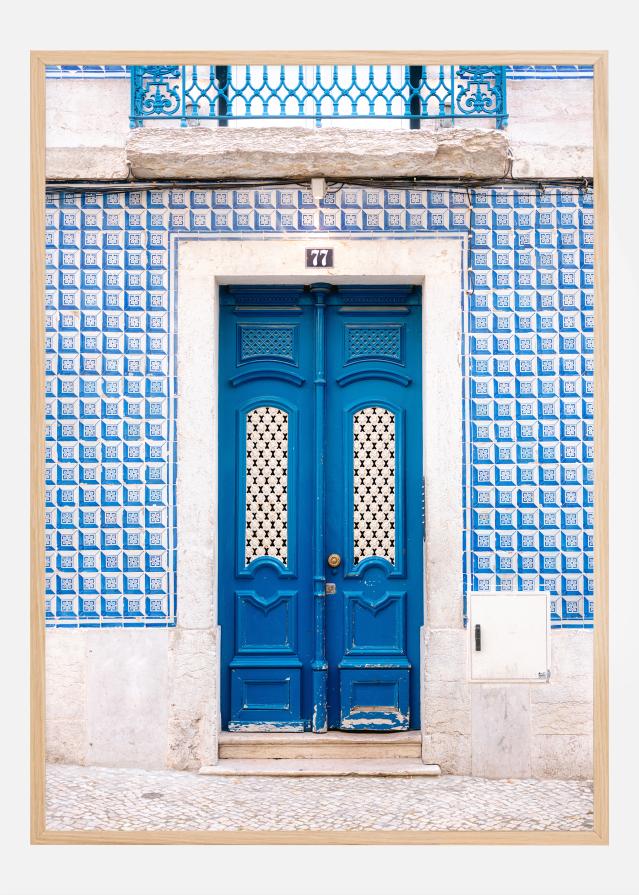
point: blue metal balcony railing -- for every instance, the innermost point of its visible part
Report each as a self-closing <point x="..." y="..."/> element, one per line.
<point x="415" y="93"/>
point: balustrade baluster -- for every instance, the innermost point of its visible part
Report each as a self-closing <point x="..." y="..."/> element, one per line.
<point x="459" y="92"/>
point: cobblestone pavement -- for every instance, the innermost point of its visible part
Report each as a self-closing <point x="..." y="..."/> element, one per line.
<point x="82" y="798"/>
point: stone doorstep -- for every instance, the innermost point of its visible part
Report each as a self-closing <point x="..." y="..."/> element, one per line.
<point x="331" y="745"/>
<point x="338" y="767"/>
<point x="331" y="736"/>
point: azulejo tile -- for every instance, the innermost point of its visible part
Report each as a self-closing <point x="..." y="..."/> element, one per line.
<point x="527" y="493"/>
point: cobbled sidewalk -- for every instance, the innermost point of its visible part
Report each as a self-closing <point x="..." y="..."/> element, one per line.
<point x="82" y="798"/>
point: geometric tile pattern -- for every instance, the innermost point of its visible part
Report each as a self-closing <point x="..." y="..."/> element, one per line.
<point x="514" y="72"/>
<point x="548" y="72"/>
<point x="266" y="484"/>
<point x="527" y="322"/>
<point x="109" y="415"/>
<point x="374" y="484"/>
<point x="87" y="71"/>
<point x="530" y="354"/>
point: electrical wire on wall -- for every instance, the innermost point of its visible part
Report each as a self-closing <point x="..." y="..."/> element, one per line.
<point x="332" y="186"/>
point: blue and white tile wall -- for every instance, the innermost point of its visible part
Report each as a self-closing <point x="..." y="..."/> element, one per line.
<point x="110" y="449"/>
<point x="515" y="72"/>
<point x="111" y="408"/>
<point x="548" y="72"/>
<point x="530" y="379"/>
<point x="87" y="71"/>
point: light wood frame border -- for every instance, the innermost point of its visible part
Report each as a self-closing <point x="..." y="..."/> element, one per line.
<point x="599" y="60"/>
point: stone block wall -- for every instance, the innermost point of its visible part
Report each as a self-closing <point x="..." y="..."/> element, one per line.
<point x="502" y="730"/>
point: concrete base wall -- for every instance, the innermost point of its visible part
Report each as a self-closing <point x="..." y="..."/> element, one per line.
<point x="148" y="698"/>
<point x="132" y="698"/>
<point x="501" y="730"/>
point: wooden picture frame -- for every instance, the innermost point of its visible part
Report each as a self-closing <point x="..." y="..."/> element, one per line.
<point x="39" y="833"/>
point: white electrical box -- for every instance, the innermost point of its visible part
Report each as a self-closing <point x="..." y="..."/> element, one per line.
<point x="509" y="636"/>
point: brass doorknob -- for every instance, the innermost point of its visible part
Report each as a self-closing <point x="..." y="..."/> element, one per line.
<point x="334" y="560"/>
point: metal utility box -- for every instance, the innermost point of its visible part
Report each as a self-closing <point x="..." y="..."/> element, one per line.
<point x="509" y="636"/>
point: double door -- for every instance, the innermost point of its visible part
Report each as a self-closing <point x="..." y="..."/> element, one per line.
<point x="320" y="507"/>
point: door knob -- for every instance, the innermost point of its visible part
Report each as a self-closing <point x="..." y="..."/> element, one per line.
<point x="334" y="560"/>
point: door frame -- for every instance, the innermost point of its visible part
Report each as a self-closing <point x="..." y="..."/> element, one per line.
<point x="433" y="261"/>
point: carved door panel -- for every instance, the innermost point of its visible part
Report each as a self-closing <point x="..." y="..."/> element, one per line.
<point x="265" y="510"/>
<point x="320" y="452"/>
<point x="374" y="518"/>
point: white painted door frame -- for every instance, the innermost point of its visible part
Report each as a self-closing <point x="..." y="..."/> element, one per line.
<point x="433" y="261"/>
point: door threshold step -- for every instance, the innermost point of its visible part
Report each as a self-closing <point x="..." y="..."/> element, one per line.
<point x="285" y="767"/>
<point x="331" y="736"/>
<point x="340" y="745"/>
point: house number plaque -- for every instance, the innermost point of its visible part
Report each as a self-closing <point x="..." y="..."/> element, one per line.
<point x="319" y="257"/>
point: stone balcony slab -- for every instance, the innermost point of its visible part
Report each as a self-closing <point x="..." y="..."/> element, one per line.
<point x="301" y="153"/>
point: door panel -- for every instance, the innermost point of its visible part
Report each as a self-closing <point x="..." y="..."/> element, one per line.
<point x="320" y="452"/>
<point x="374" y="516"/>
<point x="264" y="505"/>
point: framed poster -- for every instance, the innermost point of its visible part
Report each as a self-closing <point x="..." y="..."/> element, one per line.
<point x="324" y="366"/>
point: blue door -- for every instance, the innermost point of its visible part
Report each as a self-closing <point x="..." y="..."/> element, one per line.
<point x="320" y="507"/>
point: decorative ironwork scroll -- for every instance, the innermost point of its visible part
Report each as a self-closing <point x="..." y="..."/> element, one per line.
<point x="193" y="93"/>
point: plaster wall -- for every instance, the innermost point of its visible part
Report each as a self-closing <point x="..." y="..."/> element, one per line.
<point x="554" y="112"/>
<point x="148" y="698"/>
<point x="87" y="112"/>
<point x="87" y="127"/>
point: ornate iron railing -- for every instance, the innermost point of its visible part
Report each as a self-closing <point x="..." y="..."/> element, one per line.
<point x="221" y="93"/>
